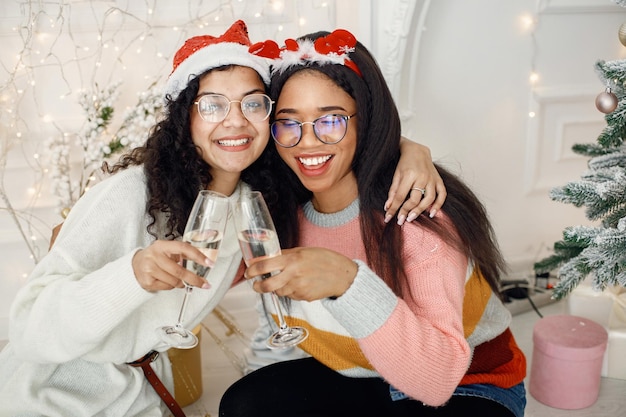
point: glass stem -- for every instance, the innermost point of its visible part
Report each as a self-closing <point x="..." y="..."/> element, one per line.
<point x="183" y="307"/>
<point x="279" y="312"/>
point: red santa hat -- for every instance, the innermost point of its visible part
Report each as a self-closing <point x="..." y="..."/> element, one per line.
<point x="202" y="53"/>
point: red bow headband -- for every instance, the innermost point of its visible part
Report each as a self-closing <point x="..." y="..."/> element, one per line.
<point x="331" y="49"/>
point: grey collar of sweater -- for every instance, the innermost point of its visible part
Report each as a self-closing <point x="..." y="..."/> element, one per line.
<point x="331" y="219"/>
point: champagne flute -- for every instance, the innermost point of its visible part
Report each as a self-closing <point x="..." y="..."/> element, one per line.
<point x="204" y="230"/>
<point x="258" y="239"/>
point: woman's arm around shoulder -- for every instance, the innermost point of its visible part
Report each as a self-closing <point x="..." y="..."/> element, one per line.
<point x="416" y="184"/>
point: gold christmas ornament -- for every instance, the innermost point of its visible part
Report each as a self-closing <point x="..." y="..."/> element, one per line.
<point x="606" y="101"/>
<point x="621" y="34"/>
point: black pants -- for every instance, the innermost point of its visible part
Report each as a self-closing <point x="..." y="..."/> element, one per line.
<point x="306" y="388"/>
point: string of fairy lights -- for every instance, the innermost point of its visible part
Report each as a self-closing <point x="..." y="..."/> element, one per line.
<point x="529" y="24"/>
<point x="75" y="73"/>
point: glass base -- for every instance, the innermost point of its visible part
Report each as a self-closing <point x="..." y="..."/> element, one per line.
<point x="287" y="337"/>
<point x="178" y="337"/>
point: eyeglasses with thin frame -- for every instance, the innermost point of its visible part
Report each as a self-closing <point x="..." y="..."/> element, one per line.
<point x="329" y="129"/>
<point x="214" y="108"/>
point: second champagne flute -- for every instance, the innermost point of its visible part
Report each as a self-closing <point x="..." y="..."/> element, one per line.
<point x="204" y="230"/>
<point x="258" y="239"/>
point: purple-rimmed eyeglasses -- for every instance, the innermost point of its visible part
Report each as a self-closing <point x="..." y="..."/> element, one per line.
<point x="328" y="129"/>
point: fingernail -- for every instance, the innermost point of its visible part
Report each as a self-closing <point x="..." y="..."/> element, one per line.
<point x="412" y="216"/>
<point x="206" y="286"/>
<point x="432" y="214"/>
<point x="401" y="219"/>
<point x="386" y="206"/>
<point x="388" y="217"/>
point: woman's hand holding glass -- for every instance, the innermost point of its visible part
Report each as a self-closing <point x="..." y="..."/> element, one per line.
<point x="204" y="231"/>
<point x="158" y="267"/>
<point x="306" y="274"/>
<point x="258" y="240"/>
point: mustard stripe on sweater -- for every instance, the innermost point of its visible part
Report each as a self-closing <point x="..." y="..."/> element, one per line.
<point x="420" y="344"/>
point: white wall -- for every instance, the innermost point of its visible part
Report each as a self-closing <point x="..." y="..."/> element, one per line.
<point x="464" y="90"/>
<point x="461" y="83"/>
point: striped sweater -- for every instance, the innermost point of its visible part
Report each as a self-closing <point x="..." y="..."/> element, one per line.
<point x="449" y="329"/>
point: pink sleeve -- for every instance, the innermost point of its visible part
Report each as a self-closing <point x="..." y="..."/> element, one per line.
<point x="421" y="349"/>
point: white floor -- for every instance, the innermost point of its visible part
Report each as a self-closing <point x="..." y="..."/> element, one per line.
<point x="221" y="366"/>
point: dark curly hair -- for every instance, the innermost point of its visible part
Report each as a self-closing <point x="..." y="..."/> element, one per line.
<point x="174" y="169"/>
<point x="377" y="154"/>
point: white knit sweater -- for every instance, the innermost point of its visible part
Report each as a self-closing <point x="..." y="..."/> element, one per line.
<point x="82" y="315"/>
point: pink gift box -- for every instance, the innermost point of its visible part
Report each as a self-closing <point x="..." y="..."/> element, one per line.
<point x="567" y="361"/>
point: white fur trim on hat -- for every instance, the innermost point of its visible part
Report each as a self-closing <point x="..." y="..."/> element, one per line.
<point x="213" y="56"/>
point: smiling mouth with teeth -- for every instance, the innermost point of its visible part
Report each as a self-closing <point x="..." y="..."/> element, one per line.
<point x="314" y="161"/>
<point x="236" y="142"/>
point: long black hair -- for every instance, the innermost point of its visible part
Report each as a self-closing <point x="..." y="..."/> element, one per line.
<point x="377" y="154"/>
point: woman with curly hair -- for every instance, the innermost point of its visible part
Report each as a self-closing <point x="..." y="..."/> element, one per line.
<point x="113" y="276"/>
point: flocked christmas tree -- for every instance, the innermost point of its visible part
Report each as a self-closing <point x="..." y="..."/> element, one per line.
<point x="597" y="251"/>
